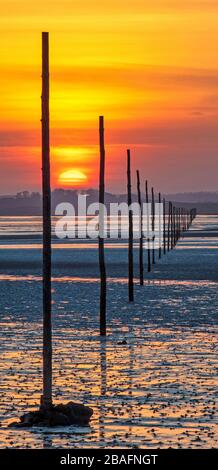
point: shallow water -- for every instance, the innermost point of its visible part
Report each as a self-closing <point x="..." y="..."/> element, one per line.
<point x="158" y="390"/>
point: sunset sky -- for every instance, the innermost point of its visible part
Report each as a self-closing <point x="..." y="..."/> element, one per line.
<point x="150" y="67"/>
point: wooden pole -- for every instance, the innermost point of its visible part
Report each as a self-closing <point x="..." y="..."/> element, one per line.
<point x="159" y="200"/>
<point x="153" y="224"/>
<point x="174" y="226"/>
<point x="168" y="228"/>
<point x="148" y="228"/>
<point x="130" y="248"/>
<point x="179" y="222"/>
<point x="102" y="268"/>
<point x="141" y="273"/>
<point x="171" y="223"/>
<point x="164" y="226"/>
<point x="46" y="399"/>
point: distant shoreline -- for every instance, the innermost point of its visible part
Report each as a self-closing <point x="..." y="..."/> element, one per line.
<point x="30" y="203"/>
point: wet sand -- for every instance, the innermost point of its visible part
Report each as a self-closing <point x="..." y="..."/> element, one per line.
<point x="158" y="390"/>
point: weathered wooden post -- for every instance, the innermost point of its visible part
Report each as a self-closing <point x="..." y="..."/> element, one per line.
<point x="179" y="222"/>
<point x="130" y="247"/>
<point x="160" y="237"/>
<point x="48" y="414"/>
<point x="148" y="227"/>
<point x="141" y="274"/>
<point x="171" y="223"/>
<point x="153" y="223"/>
<point x="169" y="227"/>
<point x="164" y="226"/>
<point x="172" y="209"/>
<point x="46" y="399"/>
<point x="174" y="226"/>
<point x="102" y="267"/>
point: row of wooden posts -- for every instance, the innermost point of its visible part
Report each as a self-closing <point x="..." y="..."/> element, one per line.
<point x="178" y="221"/>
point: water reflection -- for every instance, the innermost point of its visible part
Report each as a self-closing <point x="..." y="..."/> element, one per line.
<point x="47" y="441"/>
<point x="103" y="390"/>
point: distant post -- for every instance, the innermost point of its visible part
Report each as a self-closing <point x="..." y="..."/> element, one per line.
<point x="159" y="200"/>
<point x="46" y="399"/>
<point x="169" y="227"/>
<point x="148" y="227"/>
<point x="101" y="230"/>
<point x="177" y="224"/>
<point x="180" y="217"/>
<point x="141" y="274"/>
<point x="130" y="247"/>
<point x="183" y="228"/>
<point x="164" y="226"/>
<point x="174" y="226"/>
<point x="153" y="223"/>
<point x="171" y="223"/>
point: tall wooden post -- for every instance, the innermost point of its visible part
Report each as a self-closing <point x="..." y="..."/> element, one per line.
<point x="174" y="224"/>
<point x="171" y="223"/>
<point x="46" y="399"/>
<point x="141" y="273"/>
<point x="169" y="227"/>
<point x="130" y="248"/>
<point x="102" y="268"/>
<point x="178" y="223"/>
<point x="179" y="214"/>
<point x="160" y="238"/>
<point x="164" y="226"/>
<point x="183" y="217"/>
<point x="153" y="224"/>
<point x="148" y="228"/>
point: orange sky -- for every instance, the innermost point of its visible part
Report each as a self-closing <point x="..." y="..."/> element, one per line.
<point x="151" y="68"/>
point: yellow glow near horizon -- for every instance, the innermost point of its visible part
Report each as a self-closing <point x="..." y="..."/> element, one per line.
<point x="74" y="154"/>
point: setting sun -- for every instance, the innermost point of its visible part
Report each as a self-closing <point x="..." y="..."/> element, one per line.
<point x="72" y="177"/>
